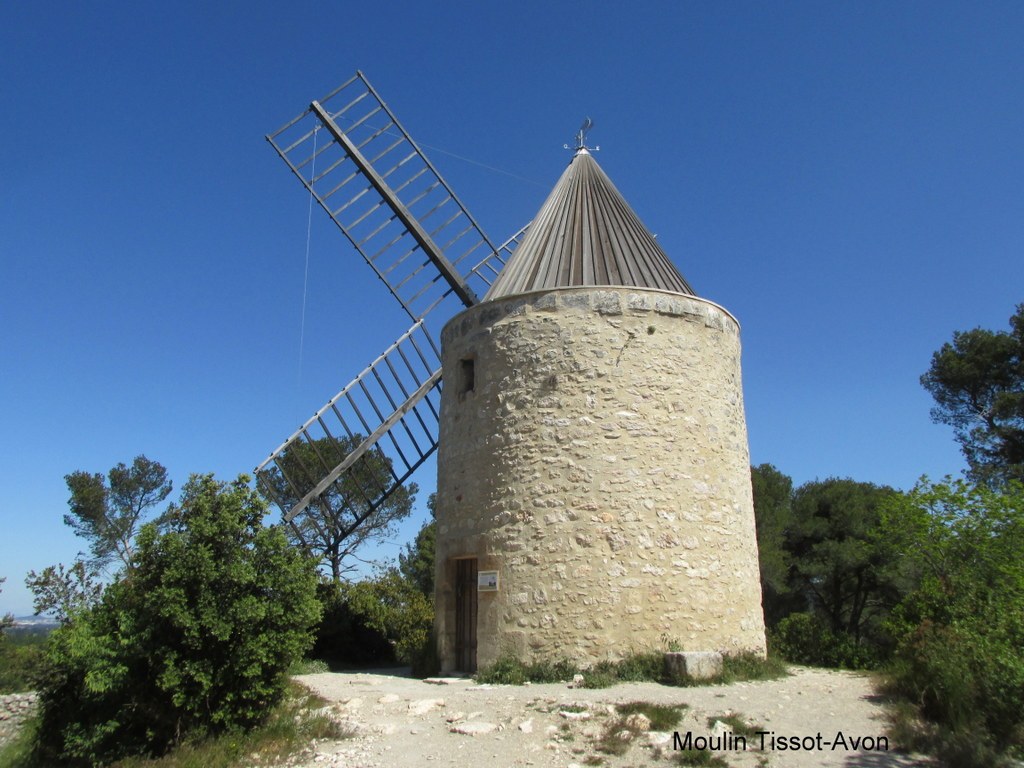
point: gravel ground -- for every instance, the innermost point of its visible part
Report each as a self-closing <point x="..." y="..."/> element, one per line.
<point x="399" y="721"/>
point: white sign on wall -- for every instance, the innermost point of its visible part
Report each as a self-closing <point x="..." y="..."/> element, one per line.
<point x="487" y="581"/>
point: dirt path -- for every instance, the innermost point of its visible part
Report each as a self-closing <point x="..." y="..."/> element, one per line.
<point x="404" y="722"/>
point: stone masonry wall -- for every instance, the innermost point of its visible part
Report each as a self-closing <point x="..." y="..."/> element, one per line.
<point x="15" y="708"/>
<point x="600" y="464"/>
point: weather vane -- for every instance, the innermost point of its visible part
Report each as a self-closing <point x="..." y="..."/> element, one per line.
<point x="581" y="136"/>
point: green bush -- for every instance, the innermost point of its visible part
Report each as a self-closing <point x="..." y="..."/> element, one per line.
<point x="426" y="662"/>
<point x="381" y="620"/>
<point x="20" y="659"/>
<point x="636" y="668"/>
<point x="288" y="730"/>
<point x="752" y="666"/>
<point x="393" y="606"/>
<point x="663" y="717"/>
<point x="970" y="679"/>
<point x="960" y="633"/>
<point x="803" y="639"/>
<point x="195" y="640"/>
<point x="343" y="637"/>
<point x="509" y="670"/>
<point x="309" y="667"/>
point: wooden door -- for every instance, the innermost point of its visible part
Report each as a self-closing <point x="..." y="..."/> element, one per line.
<point x="465" y="615"/>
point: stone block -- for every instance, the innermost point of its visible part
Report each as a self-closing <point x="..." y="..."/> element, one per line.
<point x="545" y="301"/>
<point x="715" y="320"/>
<point x="515" y="308"/>
<point x="490" y="313"/>
<point x="575" y="299"/>
<point x="698" y="665"/>
<point x="608" y="303"/>
<point x="667" y="305"/>
<point x="640" y="301"/>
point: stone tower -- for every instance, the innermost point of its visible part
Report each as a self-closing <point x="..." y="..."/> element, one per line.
<point x="594" y="490"/>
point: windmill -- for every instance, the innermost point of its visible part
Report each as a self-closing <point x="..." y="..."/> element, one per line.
<point x="364" y="170"/>
<point x="594" y="491"/>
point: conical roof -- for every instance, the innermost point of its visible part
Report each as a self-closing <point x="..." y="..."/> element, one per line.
<point x="586" y="234"/>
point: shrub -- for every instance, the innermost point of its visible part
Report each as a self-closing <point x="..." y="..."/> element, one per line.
<point x="737" y="724"/>
<point x="309" y="667"/>
<point x="287" y="732"/>
<point x="343" y="637"/>
<point x="969" y="679"/>
<point x="636" y="668"/>
<point x="20" y="658"/>
<point x="802" y="638"/>
<point x="426" y="662"/>
<point x="751" y="666"/>
<point x="394" y="607"/>
<point x="663" y="717"/>
<point x="509" y="670"/>
<point x="381" y="620"/>
<point x="961" y="630"/>
<point x="194" y="641"/>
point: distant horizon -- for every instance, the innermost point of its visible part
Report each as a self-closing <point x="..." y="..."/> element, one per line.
<point x="32" y="621"/>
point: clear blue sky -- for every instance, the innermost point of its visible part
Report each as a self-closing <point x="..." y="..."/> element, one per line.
<point x="846" y="178"/>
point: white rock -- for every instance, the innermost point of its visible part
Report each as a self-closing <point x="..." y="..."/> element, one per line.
<point x="719" y="729"/>
<point x="699" y="665"/>
<point x="475" y="728"/>
<point x="422" y="706"/>
<point x="350" y="705"/>
<point x="638" y="722"/>
<point x="574" y="715"/>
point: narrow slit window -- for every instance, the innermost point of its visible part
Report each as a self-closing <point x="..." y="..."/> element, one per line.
<point x="467" y="381"/>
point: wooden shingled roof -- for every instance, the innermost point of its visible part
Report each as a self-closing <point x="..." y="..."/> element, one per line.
<point x="586" y="234"/>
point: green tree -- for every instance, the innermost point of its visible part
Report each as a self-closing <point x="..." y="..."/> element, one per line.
<point x="107" y="512"/>
<point x="773" y="514"/>
<point x="960" y="631"/>
<point x="963" y="545"/>
<point x="394" y="607"/>
<point x="339" y="522"/>
<point x="64" y="592"/>
<point x="838" y="561"/>
<point x="978" y="385"/>
<point x="7" y="620"/>
<point x="195" y="640"/>
<point x="416" y="563"/>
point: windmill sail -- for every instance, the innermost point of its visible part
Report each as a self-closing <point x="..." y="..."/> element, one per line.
<point x="488" y="270"/>
<point x="357" y="450"/>
<point x="351" y="437"/>
<point x="366" y="172"/>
